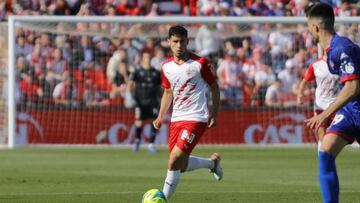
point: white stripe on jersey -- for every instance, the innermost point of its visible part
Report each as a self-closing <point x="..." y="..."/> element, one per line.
<point x="189" y="89"/>
<point x="327" y="85"/>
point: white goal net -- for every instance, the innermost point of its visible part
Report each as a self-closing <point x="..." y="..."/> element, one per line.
<point x="68" y="76"/>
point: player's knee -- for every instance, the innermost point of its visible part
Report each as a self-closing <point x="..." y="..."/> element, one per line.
<point x="177" y="162"/>
<point x="325" y="149"/>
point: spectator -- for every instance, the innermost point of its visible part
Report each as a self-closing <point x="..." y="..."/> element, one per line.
<point x="94" y="96"/>
<point x="36" y="61"/>
<point x="65" y="92"/>
<point x="56" y="66"/>
<point x="264" y="76"/>
<point x="159" y="57"/>
<point x="60" y="43"/>
<point x="273" y="94"/>
<point x="230" y="80"/>
<point x="208" y="40"/>
<point x="45" y="44"/>
<point x="246" y="45"/>
<point x="113" y="28"/>
<point x="252" y="65"/>
<point x="288" y="77"/>
<point x="45" y="86"/>
<point x="280" y="42"/>
<point x="5" y="9"/>
<point x="259" y="8"/>
<point x="83" y="11"/>
<point x="119" y="56"/>
<point x="239" y="8"/>
<point x="22" y="68"/>
<point x="127" y="8"/>
<point x="132" y="52"/>
<point x="118" y="84"/>
<point x="30" y="90"/>
<point x="61" y="8"/>
<point x="147" y="7"/>
<point x="22" y="48"/>
<point x="86" y="51"/>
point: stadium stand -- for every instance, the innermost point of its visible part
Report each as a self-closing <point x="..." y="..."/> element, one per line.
<point x="95" y="68"/>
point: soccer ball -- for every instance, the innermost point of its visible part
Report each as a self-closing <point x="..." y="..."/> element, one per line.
<point x="154" y="196"/>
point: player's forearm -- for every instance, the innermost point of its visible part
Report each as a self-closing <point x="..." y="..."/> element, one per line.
<point x="302" y="87"/>
<point x="215" y="96"/>
<point x="165" y="103"/>
<point x="350" y="90"/>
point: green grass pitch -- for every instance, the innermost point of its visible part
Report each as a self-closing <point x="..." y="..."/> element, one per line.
<point x="252" y="174"/>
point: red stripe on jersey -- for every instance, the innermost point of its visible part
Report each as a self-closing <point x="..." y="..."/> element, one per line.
<point x="183" y="100"/>
<point x="349" y="77"/>
<point x="309" y="74"/>
<point x="192" y="88"/>
<point x="164" y="81"/>
<point x="182" y="88"/>
<point x="206" y="73"/>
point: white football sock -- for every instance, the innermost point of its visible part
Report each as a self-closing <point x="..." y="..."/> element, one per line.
<point x="171" y="181"/>
<point x="319" y="146"/>
<point x="199" y="162"/>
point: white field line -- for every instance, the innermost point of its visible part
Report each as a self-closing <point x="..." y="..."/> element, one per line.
<point x="134" y="192"/>
<point x="163" y="146"/>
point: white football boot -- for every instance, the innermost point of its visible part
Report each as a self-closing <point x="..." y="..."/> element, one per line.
<point x="217" y="170"/>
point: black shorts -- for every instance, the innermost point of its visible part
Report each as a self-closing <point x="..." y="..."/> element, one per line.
<point x="146" y="112"/>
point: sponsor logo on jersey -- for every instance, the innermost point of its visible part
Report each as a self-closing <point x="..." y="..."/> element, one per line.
<point x="343" y="55"/>
<point x="185" y="136"/>
<point x="349" y="68"/>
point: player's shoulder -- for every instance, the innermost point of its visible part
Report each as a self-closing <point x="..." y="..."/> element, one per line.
<point x="318" y="62"/>
<point x="168" y="60"/>
<point x="342" y="44"/>
<point x="200" y="59"/>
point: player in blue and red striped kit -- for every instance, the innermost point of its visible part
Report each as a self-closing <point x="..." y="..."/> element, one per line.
<point x="343" y="58"/>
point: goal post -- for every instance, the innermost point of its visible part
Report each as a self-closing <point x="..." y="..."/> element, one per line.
<point x="126" y="27"/>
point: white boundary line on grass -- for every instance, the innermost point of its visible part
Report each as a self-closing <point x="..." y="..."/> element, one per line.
<point x="201" y="146"/>
<point x="133" y="192"/>
<point x="126" y="146"/>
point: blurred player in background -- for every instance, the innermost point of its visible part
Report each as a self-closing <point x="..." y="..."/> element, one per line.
<point x="343" y="59"/>
<point x="327" y="88"/>
<point x="186" y="78"/>
<point x="145" y="84"/>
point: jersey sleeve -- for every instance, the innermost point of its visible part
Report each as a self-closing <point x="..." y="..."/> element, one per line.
<point x="348" y="69"/>
<point x="164" y="80"/>
<point x="206" y="72"/>
<point x="309" y="74"/>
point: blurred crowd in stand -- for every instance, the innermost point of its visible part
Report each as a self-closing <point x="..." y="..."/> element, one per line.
<point x="256" y="65"/>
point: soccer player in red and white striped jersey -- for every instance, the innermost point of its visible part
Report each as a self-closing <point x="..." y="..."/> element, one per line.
<point x="186" y="78"/>
<point x="327" y="88"/>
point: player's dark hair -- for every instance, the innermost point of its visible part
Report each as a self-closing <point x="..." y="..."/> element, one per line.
<point x="177" y="30"/>
<point x="324" y="12"/>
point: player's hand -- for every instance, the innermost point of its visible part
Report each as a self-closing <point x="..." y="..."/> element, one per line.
<point x="316" y="121"/>
<point x="212" y="122"/>
<point x="157" y="123"/>
<point x="300" y="98"/>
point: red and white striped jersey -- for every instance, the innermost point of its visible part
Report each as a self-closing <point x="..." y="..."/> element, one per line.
<point x="327" y="86"/>
<point x="189" y="83"/>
